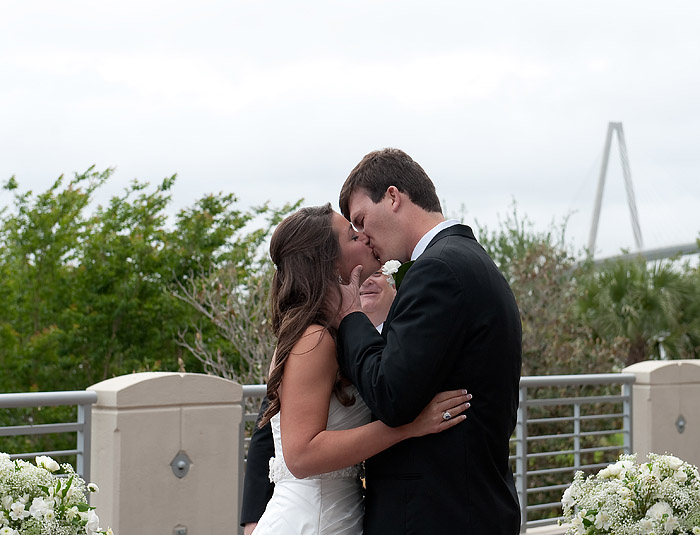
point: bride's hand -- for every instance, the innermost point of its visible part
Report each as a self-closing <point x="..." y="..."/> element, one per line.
<point x="349" y="298"/>
<point x="443" y="412"/>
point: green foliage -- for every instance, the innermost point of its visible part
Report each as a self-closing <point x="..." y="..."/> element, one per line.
<point x="581" y="318"/>
<point x="88" y="296"/>
<point x="543" y="274"/>
<point x="654" y="306"/>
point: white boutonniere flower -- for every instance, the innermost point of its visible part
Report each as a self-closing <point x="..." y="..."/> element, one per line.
<point x="395" y="271"/>
<point x="388" y="270"/>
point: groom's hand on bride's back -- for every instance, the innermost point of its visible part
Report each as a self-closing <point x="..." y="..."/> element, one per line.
<point x="349" y="301"/>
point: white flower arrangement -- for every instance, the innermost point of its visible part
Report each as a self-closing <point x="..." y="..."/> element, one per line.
<point x="661" y="496"/>
<point x="389" y="268"/>
<point x="34" y="500"/>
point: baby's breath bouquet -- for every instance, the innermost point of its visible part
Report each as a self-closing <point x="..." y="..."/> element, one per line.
<point x="661" y="496"/>
<point x="34" y="500"/>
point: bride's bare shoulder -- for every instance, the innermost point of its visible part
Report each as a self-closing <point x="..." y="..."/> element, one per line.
<point x="316" y="339"/>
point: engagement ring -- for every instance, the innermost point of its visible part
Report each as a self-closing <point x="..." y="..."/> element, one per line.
<point x="446" y="415"/>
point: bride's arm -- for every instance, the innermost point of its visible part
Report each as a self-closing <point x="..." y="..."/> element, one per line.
<point x="305" y="393"/>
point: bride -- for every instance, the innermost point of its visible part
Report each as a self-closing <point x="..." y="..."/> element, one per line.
<point x="322" y="430"/>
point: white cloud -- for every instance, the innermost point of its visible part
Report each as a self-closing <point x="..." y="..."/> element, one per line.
<point x="273" y="101"/>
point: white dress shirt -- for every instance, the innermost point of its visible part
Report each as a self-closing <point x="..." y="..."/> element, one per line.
<point x="425" y="240"/>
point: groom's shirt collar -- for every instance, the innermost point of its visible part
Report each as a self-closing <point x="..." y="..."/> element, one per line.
<point x="425" y="240"/>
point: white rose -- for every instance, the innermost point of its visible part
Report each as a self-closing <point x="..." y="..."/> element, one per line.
<point x="615" y="469"/>
<point x="602" y="520"/>
<point x="38" y="508"/>
<point x="577" y="524"/>
<point x="680" y="476"/>
<point x="47" y="462"/>
<point x="658" y="510"/>
<point x="93" y="522"/>
<point x="567" y="499"/>
<point x="388" y="270"/>
<point x="674" y="463"/>
<point x="391" y="267"/>
<point x="625" y="467"/>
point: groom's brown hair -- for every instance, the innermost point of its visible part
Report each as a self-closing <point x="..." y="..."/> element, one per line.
<point x="390" y="167"/>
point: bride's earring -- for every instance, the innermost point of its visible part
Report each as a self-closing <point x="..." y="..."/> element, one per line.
<point x="340" y="278"/>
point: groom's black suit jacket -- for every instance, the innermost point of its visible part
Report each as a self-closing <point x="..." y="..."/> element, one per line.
<point x="454" y="324"/>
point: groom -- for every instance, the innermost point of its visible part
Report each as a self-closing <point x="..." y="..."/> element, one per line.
<point x="454" y="324"/>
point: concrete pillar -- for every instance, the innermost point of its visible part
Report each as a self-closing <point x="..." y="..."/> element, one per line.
<point x="666" y="408"/>
<point x="140" y="423"/>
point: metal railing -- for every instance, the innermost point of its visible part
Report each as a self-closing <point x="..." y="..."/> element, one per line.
<point x="82" y="426"/>
<point x="588" y="436"/>
<point x="561" y="429"/>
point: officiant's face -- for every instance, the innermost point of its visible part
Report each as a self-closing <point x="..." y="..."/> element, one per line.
<point x="354" y="250"/>
<point x="376" y="294"/>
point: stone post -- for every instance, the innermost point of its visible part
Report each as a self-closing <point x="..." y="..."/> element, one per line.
<point x="665" y="408"/>
<point x="165" y="453"/>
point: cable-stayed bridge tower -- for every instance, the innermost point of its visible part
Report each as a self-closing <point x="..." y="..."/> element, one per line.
<point x="668" y="251"/>
<point x="631" y="202"/>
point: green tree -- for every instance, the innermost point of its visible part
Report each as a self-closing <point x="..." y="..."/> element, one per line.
<point x="89" y="296"/>
<point x="233" y="338"/>
<point x="543" y="273"/>
<point x="653" y="305"/>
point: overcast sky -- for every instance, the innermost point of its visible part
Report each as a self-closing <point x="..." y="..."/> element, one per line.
<point x="278" y="100"/>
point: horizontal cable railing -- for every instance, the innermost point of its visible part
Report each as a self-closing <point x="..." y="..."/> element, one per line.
<point x="83" y="399"/>
<point x="566" y="423"/>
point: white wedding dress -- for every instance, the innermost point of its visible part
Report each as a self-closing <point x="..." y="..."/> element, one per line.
<point x="326" y="504"/>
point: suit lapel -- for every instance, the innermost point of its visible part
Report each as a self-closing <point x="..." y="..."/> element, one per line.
<point x="454" y="230"/>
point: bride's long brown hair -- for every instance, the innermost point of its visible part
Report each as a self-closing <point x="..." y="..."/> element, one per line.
<point x="304" y="249"/>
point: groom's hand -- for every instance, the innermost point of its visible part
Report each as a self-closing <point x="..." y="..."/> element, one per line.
<point x="350" y="298"/>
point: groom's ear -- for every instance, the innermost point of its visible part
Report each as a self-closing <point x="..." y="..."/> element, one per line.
<point x="394" y="196"/>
